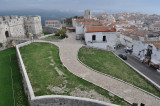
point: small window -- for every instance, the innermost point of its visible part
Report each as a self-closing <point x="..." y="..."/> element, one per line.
<point x="104" y="38"/>
<point x="93" y="37"/>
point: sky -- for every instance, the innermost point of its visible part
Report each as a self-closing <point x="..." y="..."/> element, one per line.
<point x="111" y="6"/>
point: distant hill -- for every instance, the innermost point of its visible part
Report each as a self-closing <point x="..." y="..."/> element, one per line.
<point x="45" y="14"/>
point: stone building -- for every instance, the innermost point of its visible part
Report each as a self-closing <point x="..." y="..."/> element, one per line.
<point x="53" y="23"/>
<point x="19" y="27"/>
<point x="87" y="14"/>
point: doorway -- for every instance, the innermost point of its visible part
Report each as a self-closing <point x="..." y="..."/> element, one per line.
<point x="7" y="34"/>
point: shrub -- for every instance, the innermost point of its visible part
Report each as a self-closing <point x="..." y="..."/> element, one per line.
<point x="1" y="44"/>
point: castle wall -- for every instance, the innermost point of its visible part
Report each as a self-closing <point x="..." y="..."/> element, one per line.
<point x="19" y="27"/>
<point x="16" y="27"/>
<point x="2" y="32"/>
<point x="33" y="25"/>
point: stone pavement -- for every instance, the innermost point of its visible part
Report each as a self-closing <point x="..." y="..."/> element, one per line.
<point x="68" y="53"/>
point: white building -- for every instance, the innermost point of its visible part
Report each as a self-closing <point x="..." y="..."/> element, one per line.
<point x="104" y="37"/>
<point x="143" y="49"/>
<point x="53" y="23"/>
<point x="20" y="27"/>
<point x="155" y="27"/>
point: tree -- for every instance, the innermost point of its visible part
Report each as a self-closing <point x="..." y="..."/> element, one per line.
<point x="62" y="32"/>
<point x="69" y="21"/>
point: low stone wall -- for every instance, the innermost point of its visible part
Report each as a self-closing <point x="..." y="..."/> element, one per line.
<point x="45" y="36"/>
<point x="51" y="100"/>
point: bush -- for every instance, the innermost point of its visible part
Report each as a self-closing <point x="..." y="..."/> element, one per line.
<point x="57" y="34"/>
<point x="1" y="44"/>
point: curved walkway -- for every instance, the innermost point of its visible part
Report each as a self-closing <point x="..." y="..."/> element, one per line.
<point x="68" y="54"/>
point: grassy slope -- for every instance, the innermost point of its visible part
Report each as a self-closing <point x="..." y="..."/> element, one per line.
<point x="8" y="62"/>
<point x="108" y="63"/>
<point x="41" y="73"/>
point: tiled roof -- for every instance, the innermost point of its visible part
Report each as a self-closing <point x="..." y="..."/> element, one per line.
<point x="127" y="32"/>
<point x="141" y="33"/>
<point x="157" y="45"/>
<point x="90" y="29"/>
<point x="131" y="27"/>
<point x="123" y="22"/>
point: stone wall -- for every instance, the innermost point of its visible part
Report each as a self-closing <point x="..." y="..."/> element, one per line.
<point x="51" y="100"/>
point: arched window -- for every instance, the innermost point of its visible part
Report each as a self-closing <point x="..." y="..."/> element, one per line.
<point x="93" y="37"/>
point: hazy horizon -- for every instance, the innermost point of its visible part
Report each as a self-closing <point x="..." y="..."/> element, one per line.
<point x="97" y="6"/>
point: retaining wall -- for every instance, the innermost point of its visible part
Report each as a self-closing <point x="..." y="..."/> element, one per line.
<point x="51" y="100"/>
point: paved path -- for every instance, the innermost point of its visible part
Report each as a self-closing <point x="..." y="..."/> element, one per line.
<point x="68" y="54"/>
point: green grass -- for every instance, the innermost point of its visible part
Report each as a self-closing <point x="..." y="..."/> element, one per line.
<point x="8" y="64"/>
<point x="45" y="33"/>
<point x="53" y="38"/>
<point x="41" y="59"/>
<point x="106" y="62"/>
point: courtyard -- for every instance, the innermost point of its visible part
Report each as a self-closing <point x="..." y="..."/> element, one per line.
<point x="49" y="77"/>
<point x="11" y="86"/>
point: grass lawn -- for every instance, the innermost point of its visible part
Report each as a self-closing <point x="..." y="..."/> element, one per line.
<point x="53" y="38"/>
<point x="108" y="63"/>
<point x="9" y="69"/>
<point x="45" y="33"/>
<point x="48" y="76"/>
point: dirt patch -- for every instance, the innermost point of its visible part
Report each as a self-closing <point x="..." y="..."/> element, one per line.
<point x="92" y="94"/>
<point x="58" y="89"/>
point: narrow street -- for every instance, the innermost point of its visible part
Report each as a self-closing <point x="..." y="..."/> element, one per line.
<point x="142" y="67"/>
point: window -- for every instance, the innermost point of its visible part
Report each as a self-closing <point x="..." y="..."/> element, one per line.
<point x="93" y="37"/>
<point x="104" y="38"/>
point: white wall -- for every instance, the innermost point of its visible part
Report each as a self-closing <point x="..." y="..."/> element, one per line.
<point x="139" y="46"/>
<point x="155" y="53"/>
<point x="126" y="40"/>
<point x="80" y="29"/>
<point x="111" y="39"/>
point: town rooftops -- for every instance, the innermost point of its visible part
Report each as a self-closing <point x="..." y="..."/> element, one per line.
<point x="128" y="32"/>
<point x="141" y="33"/>
<point x="90" y="29"/>
<point x="123" y="23"/>
<point x="131" y="27"/>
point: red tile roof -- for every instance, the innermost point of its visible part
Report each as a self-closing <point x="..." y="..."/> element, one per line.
<point x="157" y="45"/>
<point x="90" y="29"/>
<point x="127" y="32"/>
<point x="123" y="22"/>
<point x="131" y="27"/>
